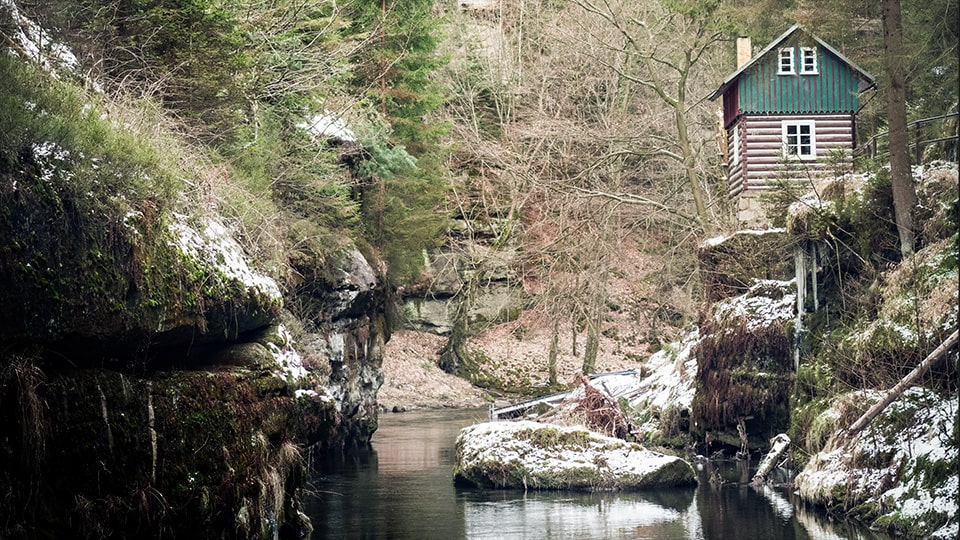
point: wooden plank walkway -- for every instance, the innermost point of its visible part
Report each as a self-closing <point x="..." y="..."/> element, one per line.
<point x="518" y="409"/>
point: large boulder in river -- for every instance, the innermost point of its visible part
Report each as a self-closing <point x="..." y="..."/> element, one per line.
<point x="541" y="456"/>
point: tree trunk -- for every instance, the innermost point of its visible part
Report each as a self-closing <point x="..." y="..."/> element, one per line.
<point x="552" y="355"/>
<point x="594" y="320"/>
<point x="454" y="357"/>
<point x="690" y="167"/>
<point x="904" y="193"/>
<point x="779" y="445"/>
<point x="590" y="348"/>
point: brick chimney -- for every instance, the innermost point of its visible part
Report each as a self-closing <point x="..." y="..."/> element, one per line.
<point x="744" y="51"/>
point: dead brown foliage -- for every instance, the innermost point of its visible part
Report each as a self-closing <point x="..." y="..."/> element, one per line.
<point x="742" y="373"/>
<point x="596" y="410"/>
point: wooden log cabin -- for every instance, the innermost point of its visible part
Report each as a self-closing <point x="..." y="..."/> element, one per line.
<point x="788" y="113"/>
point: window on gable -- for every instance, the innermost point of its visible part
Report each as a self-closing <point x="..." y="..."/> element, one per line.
<point x="808" y="60"/>
<point x="785" y="65"/>
<point x="799" y="139"/>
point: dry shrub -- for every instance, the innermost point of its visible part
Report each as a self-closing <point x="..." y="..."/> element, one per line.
<point x="596" y="410"/>
<point x="742" y="373"/>
<point x="23" y="377"/>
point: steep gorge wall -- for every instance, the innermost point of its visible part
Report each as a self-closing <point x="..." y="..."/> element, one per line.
<point x="151" y="381"/>
<point x="147" y="381"/>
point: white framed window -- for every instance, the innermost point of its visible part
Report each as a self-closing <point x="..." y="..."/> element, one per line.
<point x="785" y="63"/>
<point x="799" y="139"/>
<point x="808" y="60"/>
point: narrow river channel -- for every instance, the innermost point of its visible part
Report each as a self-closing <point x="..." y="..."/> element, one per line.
<point x="403" y="488"/>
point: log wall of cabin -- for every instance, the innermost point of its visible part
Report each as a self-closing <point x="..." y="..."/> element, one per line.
<point x="762" y="158"/>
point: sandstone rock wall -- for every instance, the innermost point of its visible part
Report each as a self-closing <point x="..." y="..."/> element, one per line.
<point x="147" y="378"/>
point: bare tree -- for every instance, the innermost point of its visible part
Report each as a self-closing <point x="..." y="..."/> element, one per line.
<point x="659" y="49"/>
<point x="560" y="143"/>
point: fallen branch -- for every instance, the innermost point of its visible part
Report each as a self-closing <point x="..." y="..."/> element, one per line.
<point x="597" y="410"/>
<point x="779" y="444"/>
<point x="892" y="394"/>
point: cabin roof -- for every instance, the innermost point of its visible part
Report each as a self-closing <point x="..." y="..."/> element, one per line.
<point x="863" y="74"/>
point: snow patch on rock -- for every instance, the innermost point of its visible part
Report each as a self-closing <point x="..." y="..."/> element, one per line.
<point x="758" y="307"/>
<point x="542" y="455"/>
<point x="328" y="125"/>
<point x="214" y="246"/>
<point x="717" y="240"/>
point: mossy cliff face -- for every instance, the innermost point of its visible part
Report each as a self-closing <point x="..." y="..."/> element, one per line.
<point x="900" y="474"/>
<point x="343" y="336"/>
<point x="147" y="385"/>
<point x="730" y="265"/>
<point x="745" y="355"/>
<point x="97" y="453"/>
<point x="117" y="280"/>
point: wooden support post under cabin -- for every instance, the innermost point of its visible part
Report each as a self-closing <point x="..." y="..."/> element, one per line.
<point x="904" y="383"/>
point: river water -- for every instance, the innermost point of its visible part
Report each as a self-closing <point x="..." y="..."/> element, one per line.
<point x="402" y="488"/>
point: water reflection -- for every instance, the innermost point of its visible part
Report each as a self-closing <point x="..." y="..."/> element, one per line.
<point x="565" y="515"/>
<point x="403" y="489"/>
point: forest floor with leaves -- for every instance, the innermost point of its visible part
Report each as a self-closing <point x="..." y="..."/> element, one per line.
<point x="412" y="379"/>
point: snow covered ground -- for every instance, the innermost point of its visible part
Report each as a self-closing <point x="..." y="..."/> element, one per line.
<point x="901" y="470"/>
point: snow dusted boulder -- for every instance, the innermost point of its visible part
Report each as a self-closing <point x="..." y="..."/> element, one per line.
<point x="900" y="473"/>
<point x="234" y="298"/>
<point x="664" y="398"/>
<point x="541" y="456"/>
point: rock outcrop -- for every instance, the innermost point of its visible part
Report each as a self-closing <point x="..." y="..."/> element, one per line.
<point x="745" y="353"/>
<point x="898" y="473"/>
<point x="151" y="379"/>
<point x="478" y="278"/>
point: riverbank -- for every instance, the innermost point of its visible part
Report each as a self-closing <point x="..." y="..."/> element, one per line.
<point x="412" y="380"/>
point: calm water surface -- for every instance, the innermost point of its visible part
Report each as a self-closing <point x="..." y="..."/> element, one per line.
<point x="403" y="489"/>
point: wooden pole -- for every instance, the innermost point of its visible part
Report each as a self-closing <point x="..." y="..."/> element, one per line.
<point x="904" y="383"/>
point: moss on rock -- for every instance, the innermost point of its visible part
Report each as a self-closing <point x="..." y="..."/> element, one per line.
<point x="185" y="452"/>
<point x="745" y="368"/>
<point x="530" y="455"/>
<point x="899" y="474"/>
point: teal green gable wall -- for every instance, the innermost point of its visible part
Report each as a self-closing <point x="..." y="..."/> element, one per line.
<point x="832" y="90"/>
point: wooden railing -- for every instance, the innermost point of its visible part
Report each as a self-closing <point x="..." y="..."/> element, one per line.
<point x="920" y="138"/>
